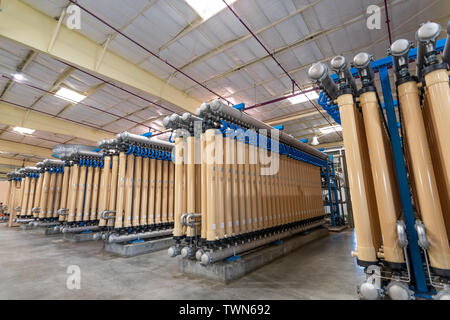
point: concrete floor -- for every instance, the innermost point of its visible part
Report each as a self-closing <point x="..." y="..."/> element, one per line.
<point x="34" y="266"/>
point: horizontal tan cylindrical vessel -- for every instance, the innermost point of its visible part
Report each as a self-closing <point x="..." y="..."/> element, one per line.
<point x="360" y="184"/>
<point x="386" y="192"/>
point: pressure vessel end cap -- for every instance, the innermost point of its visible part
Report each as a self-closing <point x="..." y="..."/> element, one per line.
<point x="428" y="31"/>
<point x="362" y="60"/>
<point x="338" y="62"/>
<point x="206" y="258"/>
<point x="317" y="71"/>
<point x="400" y="47"/>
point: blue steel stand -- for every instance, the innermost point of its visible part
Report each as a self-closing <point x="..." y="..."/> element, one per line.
<point x="335" y="192"/>
<point x="403" y="184"/>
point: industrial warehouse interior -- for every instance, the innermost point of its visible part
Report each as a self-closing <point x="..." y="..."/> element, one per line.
<point x="224" y="150"/>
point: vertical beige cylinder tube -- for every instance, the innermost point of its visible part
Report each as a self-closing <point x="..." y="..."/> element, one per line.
<point x="253" y="190"/>
<point x="204" y="186"/>
<point x="211" y="231"/>
<point x="137" y="192"/>
<point x="118" y="222"/>
<point x="105" y="189"/>
<point x="81" y="193"/>
<point x="95" y="191"/>
<point x="360" y="184"/>
<point x="88" y="194"/>
<point x="151" y="192"/>
<point x="158" y="190"/>
<point x="8" y="195"/>
<point x="438" y="92"/>
<point x="228" y="181"/>
<point x="240" y="155"/>
<point x="72" y="202"/>
<point x="51" y="194"/>
<point x="37" y="196"/>
<point x="144" y="191"/>
<point x="170" y="209"/>
<point x="112" y="185"/>
<point x="248" y="190"/>
<point x="234" y="188"/>
<point x="424" y="176"/>
<point x="44" y="195"/>
<point x="386" y="192"/>
<point x="58" y="192"/>
<point x="129" y="191"/>
<point x="64" y="191"/>
<point x="179" y="153"/>
<point x="26" y="194"/>
<point x="33" y="184"/>
<point x="12" y="201"/>
<point x="190" y="180"/>
<point x="220" y="185"/>
<point x="165" y="191"/>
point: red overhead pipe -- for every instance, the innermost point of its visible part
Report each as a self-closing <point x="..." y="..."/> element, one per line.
<point x="147" y="50"/>
<point x="388" y="21"/>
<point x="278" y="63"/>
<point x="81" y="103"/>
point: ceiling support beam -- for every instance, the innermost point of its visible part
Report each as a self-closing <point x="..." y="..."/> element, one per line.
<point x="35" y="31"/>
<point x="15" y="162"/>
<point x="300" y="115"/>
<point x="15" y="116"/>
<point x="21" y="148"/>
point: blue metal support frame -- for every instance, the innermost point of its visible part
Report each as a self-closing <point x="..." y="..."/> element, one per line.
<point x="405" y="194"/>
<point x="336" y="200"/>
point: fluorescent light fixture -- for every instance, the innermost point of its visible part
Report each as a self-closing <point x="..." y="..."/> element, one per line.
<point x="69" y="95"/>
<point x="23" y="130"/>
<point x="18" y="77"/>
<point x="303" y="97"/>
<point x="207" y="8"/>
<point x="331" y="129"/>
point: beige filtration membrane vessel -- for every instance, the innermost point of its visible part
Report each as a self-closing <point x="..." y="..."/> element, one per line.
<point x="112" y="187"/>
<point x="179" y="188"/>
<point x="95" y="194"/>
<point x="191" y="181"/>
<point x="121" y="190"/>
<point x="44" y="195"/>
<point x="26" y="194"/>
<point x="51" y="195"/>
<point x="58" y="194"/>
<point x="72" y="193"/>
<point x="81" y="193"/>
<point x="219" y="185"/>
<point x="211" y="192"/>
<point x="385" y="183"/>
<point x="437" y="111"/>
<point x="144" y="191"/>
<point x="88" y="194"/>
<point x="360" y="177"/>
<point x="65" y="191"/>
<point x="128" y="191"/>
<point x="37" y="196"/>
<point x="14" y="198"/>
<point x="105" y="189"/>
<point x="137" y="192"/>
<point x="165" y="190"/>
<point x="421" y="164"/>
<point x="151" y="190"/>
